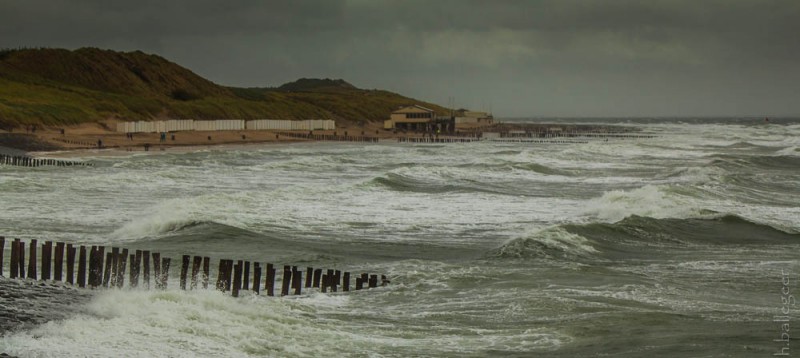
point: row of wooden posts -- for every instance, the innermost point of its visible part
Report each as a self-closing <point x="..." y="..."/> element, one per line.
<point x="330" y="137"/>
<point x="575" y="134"/>
<point x="542" y="141"/>
<point x="78" y="142"/>
<point x="436" y="140"/>
<point x="98" y="267"/>
<point x="25" y="161"/>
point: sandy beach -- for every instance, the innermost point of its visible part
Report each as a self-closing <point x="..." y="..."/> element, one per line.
<point x="89" y="135"/>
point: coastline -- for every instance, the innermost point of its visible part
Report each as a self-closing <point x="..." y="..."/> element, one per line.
<point x="61" y="141"/>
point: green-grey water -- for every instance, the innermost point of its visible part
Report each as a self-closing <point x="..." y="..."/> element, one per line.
<point x="672" y="246"/>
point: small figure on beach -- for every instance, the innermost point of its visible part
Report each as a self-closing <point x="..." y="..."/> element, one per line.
<point x="99" y="143"/>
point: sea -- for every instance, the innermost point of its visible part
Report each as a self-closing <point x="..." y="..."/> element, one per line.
<point x="686" y="244"/>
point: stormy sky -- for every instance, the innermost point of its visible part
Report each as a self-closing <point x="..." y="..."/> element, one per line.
<point x="518" y="58"/>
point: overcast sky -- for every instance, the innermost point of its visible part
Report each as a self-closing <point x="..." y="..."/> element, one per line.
<point x="519" y="58"/>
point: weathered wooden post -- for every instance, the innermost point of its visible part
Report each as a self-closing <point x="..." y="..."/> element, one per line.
<point x="136" y="268"/>
<point x="237" y="278"/>
<point x="270" y="284"/>
<point x="21" y="258"/>
<point x="92" y="280"/>
<point x="324" y="286"/>
<point x="309" y="276"/>
<point x="58" y="272"/>
<point x="228" y="275"/>
<point x="331" y="280"/>
<point x="157" y="270"/>
<point x="246" y="276"/>
<point x="221" y="275"/>
<point x="122" y="264"/>
<point x="2" y="251"/>
<point x="70" y="264"/>
<point x="346" y="282"/>
<point x="317" y="277"/>
<point x="32" y="260"/>
<point x="297" y="279"/>
<point x="82" y="267"/>
<point x="14" y="269"/>
<point x="196" y="262"/>
<point x="115" y="264"/>
<point x="359" y="283"/>
<point x="165" y="262"/>
<point x="184" y="271"/>
<point x="133" y="275"/>
<point x="146" y="271"/>
<point x="256" y="277"/>
<point x="337" y="275"/>
<point x="47" y="255"/>
<point x="111" y="263"/>
<point x="206" y="270"/>
<point x="286" y="280"/>
<point x="373" y="281"/>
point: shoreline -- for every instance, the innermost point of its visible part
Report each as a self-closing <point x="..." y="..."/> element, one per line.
<point x="100" y="138"/>
<point x="82" y="138"/>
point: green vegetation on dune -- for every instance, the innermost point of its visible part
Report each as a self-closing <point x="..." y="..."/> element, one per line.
<point x="62" y="87"/>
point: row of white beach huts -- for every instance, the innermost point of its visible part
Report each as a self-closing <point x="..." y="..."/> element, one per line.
<point x="177" y="125"/>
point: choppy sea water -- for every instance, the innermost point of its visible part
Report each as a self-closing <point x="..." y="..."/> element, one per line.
<point x="673" y="246"/>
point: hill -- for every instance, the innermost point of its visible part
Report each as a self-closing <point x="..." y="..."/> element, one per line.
<point x="62" y="87"/>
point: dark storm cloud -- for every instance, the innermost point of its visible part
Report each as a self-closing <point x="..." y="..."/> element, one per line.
<point x="559" y="57"/>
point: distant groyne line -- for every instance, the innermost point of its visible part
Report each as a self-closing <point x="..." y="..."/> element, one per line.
<point x="26" y="161"/>
<point x="330" y="137"/>
<point x="101" y="267"/>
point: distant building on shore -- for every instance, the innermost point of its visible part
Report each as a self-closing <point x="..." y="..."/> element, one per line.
<point x="466" y="119"/>
<point x="413" y="118"/>
<point x="417" y="118"/>
<point x="421" y="119"/>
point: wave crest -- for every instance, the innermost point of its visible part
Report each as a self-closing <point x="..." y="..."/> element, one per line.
<point x="551" y="243"/>
<point x="650" y="200"/>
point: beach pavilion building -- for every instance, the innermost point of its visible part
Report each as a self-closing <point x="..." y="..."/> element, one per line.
<point x="417" y="118"/>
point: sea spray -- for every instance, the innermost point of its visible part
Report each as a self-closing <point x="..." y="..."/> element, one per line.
<point x="649" y="200"/>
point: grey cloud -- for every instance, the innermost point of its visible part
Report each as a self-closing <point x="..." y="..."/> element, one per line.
<point x="548" y="57"/>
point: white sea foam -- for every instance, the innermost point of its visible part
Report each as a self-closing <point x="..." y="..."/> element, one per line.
<point x="173" y="214"/>
<point x="649" y="200"/>
<point x="789" y="151"/>
<point x="553" y="242"/>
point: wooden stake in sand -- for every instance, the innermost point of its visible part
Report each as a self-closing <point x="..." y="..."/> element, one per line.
<point x="71" y="264"/>
<point x="184" y="271"/>
<point x="58" y="262"/>
<point x="47" y="255"/>
<point x="32" y="260"/>
<point x="82" y="267"/>
<point x="196" y="262"/>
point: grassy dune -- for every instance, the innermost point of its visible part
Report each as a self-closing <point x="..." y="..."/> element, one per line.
<point x="63" y="87"/>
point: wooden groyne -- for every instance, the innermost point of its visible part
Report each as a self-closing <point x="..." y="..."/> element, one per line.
<point x="25" y="161"/>
<point x="79" y="142"/>
<point x="96" y="267"/>
<point x="436" y="140"/>
<point x="540" y="141"/>
<point x="576" y="134"/>
<point x="330" y="137"/>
